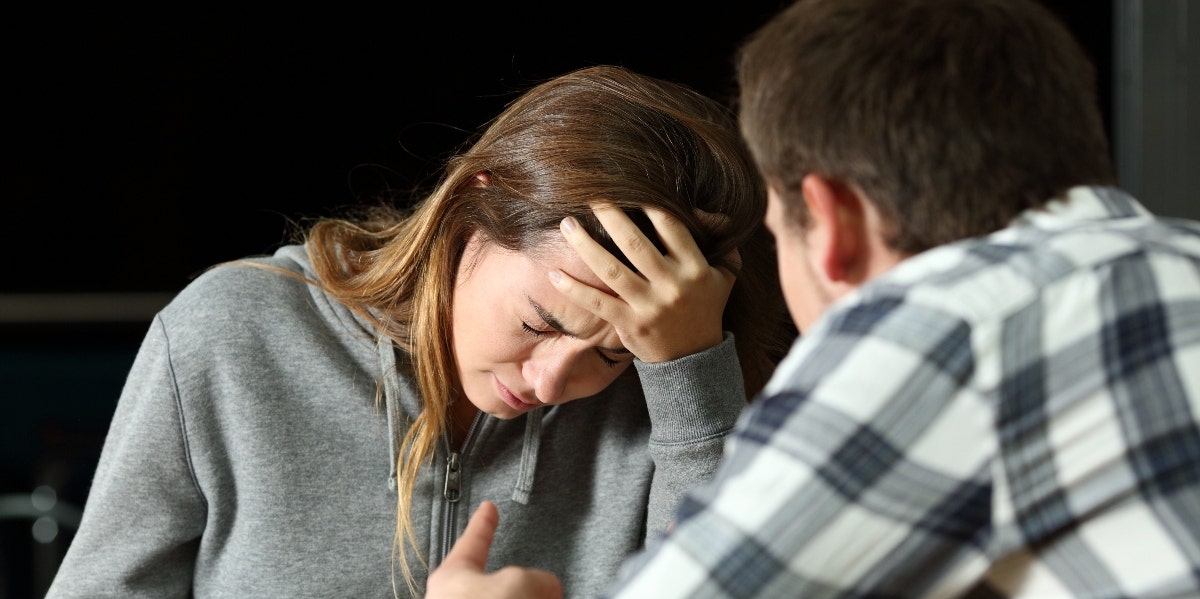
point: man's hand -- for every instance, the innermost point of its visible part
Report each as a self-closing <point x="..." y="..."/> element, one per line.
<point x="462" y="574"/>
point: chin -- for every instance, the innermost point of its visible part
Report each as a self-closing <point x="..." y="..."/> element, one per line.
<point x="496" y="408"/>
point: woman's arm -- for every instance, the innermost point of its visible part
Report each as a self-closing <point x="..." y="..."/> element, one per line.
<point x="694" y="402"/>
<point x="144" y="513"/>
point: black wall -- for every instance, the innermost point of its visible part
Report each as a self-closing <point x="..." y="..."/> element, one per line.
<point x="143" y="147"/>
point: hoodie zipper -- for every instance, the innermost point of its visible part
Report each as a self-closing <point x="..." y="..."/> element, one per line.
<point x="453" y="472"/>
<point x="452" y="491"/>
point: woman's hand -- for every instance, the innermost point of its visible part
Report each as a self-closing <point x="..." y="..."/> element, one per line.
<point x="671" y="307"/>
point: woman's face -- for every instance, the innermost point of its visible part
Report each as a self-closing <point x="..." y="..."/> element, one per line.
<point x="519" y="343"/>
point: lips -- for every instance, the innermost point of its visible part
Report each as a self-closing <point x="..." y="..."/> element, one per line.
<point x="513" y="400"/>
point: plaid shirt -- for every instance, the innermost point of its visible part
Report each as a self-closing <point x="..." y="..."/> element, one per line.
<point x="1014" y="415"/>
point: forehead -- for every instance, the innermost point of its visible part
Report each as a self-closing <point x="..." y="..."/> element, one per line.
<point x="558" y="254"/>
<point x="498" y="281"/>
<point x="531" y="266"/>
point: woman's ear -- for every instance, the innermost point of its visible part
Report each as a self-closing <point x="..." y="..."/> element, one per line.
<point x="483" y="179"/>
<point x="837" y="229"/>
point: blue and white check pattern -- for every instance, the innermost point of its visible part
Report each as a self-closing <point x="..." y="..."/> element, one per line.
<point x="1015" y="415"/>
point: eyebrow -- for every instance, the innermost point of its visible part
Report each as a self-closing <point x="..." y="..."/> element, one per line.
<point x="556" y="324"/>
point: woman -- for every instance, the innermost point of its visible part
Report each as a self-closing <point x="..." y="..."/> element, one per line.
<point x="321" y="421"/>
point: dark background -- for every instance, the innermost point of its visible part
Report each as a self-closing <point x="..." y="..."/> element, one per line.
<point x="143" y="147"/>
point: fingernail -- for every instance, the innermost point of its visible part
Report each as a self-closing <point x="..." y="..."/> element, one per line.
<point x="555" y="277"/>
<point x="568" y="224"/>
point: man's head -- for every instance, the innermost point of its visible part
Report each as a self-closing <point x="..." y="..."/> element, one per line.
<point x="951" y="115"/>
<point x="924" y="121"/>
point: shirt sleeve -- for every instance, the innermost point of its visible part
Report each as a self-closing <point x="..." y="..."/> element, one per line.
<point x="144" y="513"/>
<point x="823" y="496"/>
<point x="694" y="403"/>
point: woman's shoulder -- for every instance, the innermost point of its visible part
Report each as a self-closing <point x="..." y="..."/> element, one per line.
<point x="271" y="278"/>
<point x="276" y="291"/>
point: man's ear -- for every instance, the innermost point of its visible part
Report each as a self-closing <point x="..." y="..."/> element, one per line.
<point x="837" y="236"/>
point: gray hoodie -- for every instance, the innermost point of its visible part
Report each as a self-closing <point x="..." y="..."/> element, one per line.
<point x="248" y="457"/>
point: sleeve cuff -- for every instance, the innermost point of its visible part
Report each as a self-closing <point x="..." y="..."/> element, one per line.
<point x="695" y="397"/>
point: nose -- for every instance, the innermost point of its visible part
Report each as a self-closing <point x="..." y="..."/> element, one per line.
<point x="550" y="372"/>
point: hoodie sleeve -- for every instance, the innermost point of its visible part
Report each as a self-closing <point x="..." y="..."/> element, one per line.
<point x="694" y="402"/>
<point x="144" y="513"/>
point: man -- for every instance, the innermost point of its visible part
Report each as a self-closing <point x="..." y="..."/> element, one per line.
<point x="997" y="389"/>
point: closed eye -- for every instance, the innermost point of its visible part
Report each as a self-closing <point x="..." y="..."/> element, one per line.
<point x="531" y="330"/>
<point x="607" y="360"/>
<point x="611" y="363"/>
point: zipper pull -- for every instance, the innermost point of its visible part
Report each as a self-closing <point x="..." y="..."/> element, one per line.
<point x="452" y="473"/>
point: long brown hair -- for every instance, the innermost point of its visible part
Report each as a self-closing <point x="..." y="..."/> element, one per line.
<point x="600" y="133"/>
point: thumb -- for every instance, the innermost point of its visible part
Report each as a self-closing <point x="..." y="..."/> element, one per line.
<point x="471" y="549"/>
